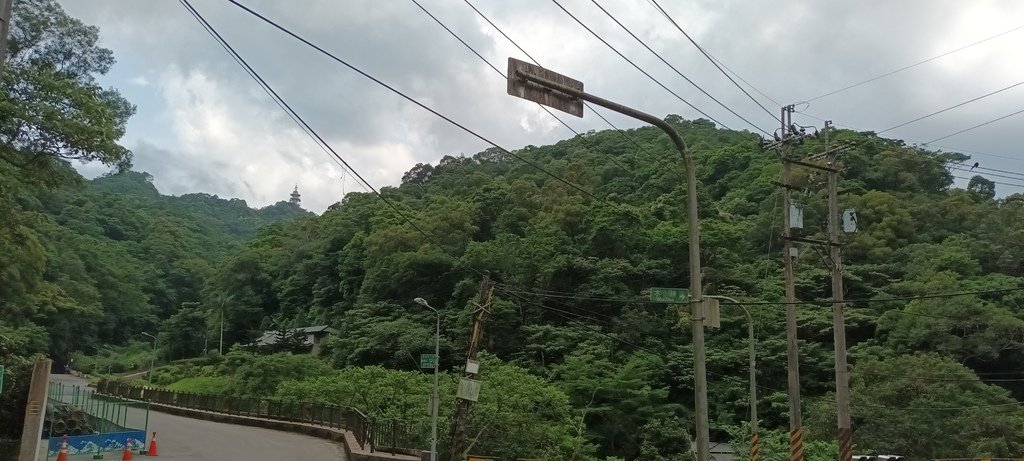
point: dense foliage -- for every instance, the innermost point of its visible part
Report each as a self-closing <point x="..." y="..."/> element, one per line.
<point x="578" y="366"/>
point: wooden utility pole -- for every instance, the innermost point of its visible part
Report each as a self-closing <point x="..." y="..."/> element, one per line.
<point x="6" y="6"/>
<point x="789" y="255"/>
<point x="845" y="433"/>
<point x="481" y="308"/>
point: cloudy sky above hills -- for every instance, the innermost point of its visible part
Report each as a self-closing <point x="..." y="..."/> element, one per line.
<point x="204" y="125"/>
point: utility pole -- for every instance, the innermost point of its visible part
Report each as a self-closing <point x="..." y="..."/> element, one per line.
<point x="845" y="433"/>
<point x="481" y="308"/>
<point x="6" y="6"/>
<point x="789" y="255"/>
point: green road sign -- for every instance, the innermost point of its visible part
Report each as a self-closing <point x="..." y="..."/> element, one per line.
<point x="428" y="360"/>
<point x="1" y="378"/>
<point x="670" y="295"/>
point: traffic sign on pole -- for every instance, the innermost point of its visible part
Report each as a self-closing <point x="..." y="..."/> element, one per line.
<point x="670" y="295"/>
<point x="520" y="88"/>
<point x="1" y="378"/>
<point x="428" y="360"/>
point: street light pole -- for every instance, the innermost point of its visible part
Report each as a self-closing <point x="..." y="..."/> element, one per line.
<point x="755" y="445"/>
<point x="518" y="73"/>
<point x="152" y="358"/>
<point x="434" y="398"/>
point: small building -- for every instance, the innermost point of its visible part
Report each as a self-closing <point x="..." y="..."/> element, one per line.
<point x="310" y="337"/>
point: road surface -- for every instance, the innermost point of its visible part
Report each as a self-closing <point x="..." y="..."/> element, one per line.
<point x="180" y="438"/>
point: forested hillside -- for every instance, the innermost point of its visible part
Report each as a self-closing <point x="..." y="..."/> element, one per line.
<point x="577" y="364"/>
<point x="574" y="262"/>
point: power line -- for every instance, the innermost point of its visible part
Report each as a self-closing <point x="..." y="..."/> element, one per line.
<point x="267" y="89"/>
<point x="715" y="62"/>
<point x="639" y="40"/>
<point x="588" y="105"/>
<point x="959" y="167"/>
<point x="502" y="75"/>
<point x="282" y="103"/>
<point x="1017" y="173"/>
<point x="427" y="108"/>
<point x="913" y="65"/>
<point x="952" y="107"/>
<point x="566" y="295"/>
<point x="994" y="182"/>
<point x="975" y="126"/>
<point x="609" y="45"/>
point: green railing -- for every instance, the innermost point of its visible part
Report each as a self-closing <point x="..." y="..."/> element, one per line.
<point x="378" y="435"/>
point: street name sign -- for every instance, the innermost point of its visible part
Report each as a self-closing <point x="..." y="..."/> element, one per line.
<point x="670" y="295"/>
<point x="428" y="360"/>
<point x="532" y="91"/>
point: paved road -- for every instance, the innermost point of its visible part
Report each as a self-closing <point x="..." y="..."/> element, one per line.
<point x="180" y="438"/>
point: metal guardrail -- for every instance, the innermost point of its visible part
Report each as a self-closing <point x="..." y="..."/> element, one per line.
<point x="376" y="434"/>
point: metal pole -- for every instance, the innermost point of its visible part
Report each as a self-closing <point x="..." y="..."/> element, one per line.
<point x="796" y="450"/>
<point x="845" y="434"/>
<point x="755" y="448"/>
<point x="700" y="379"/>
<point x="436" y="399"/>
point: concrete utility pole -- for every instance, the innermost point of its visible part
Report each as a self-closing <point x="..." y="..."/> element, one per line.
<point x="481" y="308"/>
<point x="845" y="433"/>
<point x="546" y="87"/>
<point x="35" y="411"/>
<point x="789" y="255"/>
<point x="6" y="6"/>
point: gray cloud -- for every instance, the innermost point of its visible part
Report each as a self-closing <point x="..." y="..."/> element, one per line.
<point x="792" y="51"/>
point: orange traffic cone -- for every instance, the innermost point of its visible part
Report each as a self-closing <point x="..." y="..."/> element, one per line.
<point x="127" y="455"/>
<point x="63" y="454"/>
<point x="152" y="446"/>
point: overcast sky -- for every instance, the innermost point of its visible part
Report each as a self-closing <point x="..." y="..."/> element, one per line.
<point x="203" y="125"/>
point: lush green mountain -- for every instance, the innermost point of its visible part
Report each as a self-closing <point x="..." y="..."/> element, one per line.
<point x="575" y="256"/>
<point x="584" y="367"/>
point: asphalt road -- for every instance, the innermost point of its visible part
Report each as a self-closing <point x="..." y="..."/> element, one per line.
<point x="180" y="438"/>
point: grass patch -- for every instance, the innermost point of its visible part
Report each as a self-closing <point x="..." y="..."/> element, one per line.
<point x="203" y="385"/>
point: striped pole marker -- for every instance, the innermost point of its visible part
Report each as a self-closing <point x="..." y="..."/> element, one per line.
<point x="755" y="447"/>
<point x="845" y="444"/>
<point x="796" y="445"/>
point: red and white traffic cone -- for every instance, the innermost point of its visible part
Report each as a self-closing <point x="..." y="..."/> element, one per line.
<point x="152" y="446"/>
<point x="127" y="455"/>
<point x="63" y="454"/>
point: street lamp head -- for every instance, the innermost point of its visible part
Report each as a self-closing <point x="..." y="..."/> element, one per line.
<point x="422" y="302"/>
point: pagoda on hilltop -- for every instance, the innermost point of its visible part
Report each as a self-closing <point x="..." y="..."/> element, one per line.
<point x="295" y="199"/>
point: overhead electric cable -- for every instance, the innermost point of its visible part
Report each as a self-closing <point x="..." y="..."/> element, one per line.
<point x="586" y="104"/>
<point x="266" y="88"/>
<point x="975" y="126"/>
<point x="951" y="107"/>
<point x="655" y="53"/>
<point x="213" y="31"/>
<point x="914" y="65"/>
<point x="716" y="62"/>
<point x="425" y="107"/>
<point x="609" y="45"/>
<point x="502" y="75"/>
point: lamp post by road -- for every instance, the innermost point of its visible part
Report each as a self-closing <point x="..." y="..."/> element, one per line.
<point x="540" y="85"/>
<point x="434" y="398"/>
<point x="754" y="438"/>
<point x="152" y="358"/>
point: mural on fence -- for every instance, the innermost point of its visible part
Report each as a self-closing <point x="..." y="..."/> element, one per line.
<point x="98" y="442"/>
